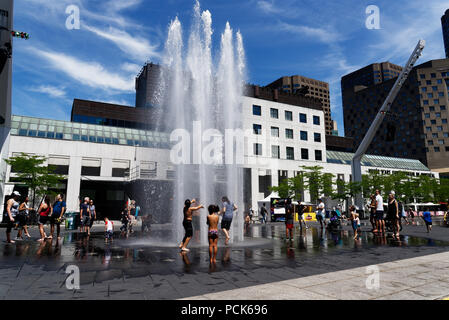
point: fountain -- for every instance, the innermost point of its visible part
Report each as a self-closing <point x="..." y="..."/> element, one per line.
<point x="203" y="100"/>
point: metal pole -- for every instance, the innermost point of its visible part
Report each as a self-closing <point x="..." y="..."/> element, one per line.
<point x="356" y="160"/>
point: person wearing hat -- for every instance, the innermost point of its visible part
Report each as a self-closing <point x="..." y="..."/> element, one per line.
<point x="11" y="211"/>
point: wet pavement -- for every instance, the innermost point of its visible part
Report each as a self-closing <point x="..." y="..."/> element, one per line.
<point x="143" y="268"/>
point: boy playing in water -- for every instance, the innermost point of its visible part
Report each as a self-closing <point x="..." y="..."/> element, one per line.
<point x="354" y="217"/>
<point x="212" y="222"/>
<point x="108" y="229"/>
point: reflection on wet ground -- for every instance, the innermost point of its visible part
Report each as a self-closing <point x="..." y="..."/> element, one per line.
<point x="262" y="243"/>
<point x="263" y="257"/>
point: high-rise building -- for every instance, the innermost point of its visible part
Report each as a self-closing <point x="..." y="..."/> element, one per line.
<point x="146" y="85"/>
<point x="317" y="89"/>
<point x="370" y="75"/>
<point x="417" y="126"/>
<point x="445" y="26"/>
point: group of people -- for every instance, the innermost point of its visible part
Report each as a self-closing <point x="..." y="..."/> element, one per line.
<point x="212" y="221"/>
<point x="88" y="215"/>
<point x="17" y="215"/>
<point x="394" y="215"/>
<point x="128" y="216"/>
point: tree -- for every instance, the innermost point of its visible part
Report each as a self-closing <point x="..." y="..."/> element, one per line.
<point x="30" y="171"/>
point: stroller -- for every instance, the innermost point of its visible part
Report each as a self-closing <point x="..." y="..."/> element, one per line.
<point x="334" y="221"/>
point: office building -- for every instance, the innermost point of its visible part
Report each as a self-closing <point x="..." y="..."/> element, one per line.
<point x="445" y="26"/>
<point x="317" y="89"/>
<point x="416" y="127"/>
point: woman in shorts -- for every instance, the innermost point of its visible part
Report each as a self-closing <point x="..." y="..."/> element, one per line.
<point x="44" y="213"/>
<point x="22" y="218"/>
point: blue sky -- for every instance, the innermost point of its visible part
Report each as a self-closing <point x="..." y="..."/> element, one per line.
<point x="319" y="39"/>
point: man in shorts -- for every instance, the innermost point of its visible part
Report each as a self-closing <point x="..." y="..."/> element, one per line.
<point x="59" y="208"/>
<point x="85" y="215"/>
<point x="380" y="222"/>
<point x="320" y="213"/>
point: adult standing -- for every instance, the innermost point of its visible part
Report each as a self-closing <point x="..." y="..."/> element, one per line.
<point x="228" y="215"/>
<point x="24" y="212"/>
<point x="84" y="214"/>
<point x="427" y="217"/>
<point x="44" y="213"/>
<point x="320" y="213"/>
<point x="380" y="223"/>
<point x="402" y="214"/>
<point x="263" y="212"/>
<point x="10" y="213"/>
<point x="59" y="208"/>
<point x="372" y="212"/>
<point x="92" y="214"/>
<point x="187" y="223"/>
<point x="393" y="213"/>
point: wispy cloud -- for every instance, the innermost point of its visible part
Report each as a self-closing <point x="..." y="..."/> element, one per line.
<point x="135" y="47"/>
<point x="317" y="34"/>
<point x="91" y="74"/>
<point x="52" y="91"/>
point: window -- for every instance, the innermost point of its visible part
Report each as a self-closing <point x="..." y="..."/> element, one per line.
<point x="425" y="102"/>
<point x="444" y="121"/>
<point x="257" y="128"/>
<point x="442" y="108"/>
<point x="441" y="141"/>
<point x="274" y="113"/>
<point x="439" y="81"/>
<point x="317" y="137"/>
<point x="433" y="75"/>
<point x="434" y="135"/>
<point x="431" y="109"/>
<point x="303" y="135"/>
<point x="433" y="122"/>
<point x="257" y="110"/>
<point x="430" y="95"/>
<point x="439" y="128"/>
<point x="305" y="154"/>
<point x="427" y="115"/>
<point x="318" y="155"/>
<point x="430" y="142"/>
<point x="434" y="88"/>
<point x="288" y="116"/>
<point x="257" y="149"/>
<point x="436" y="101"/>
<point x="428" y="129"/>
<point x="446" y="135"/>
<point x="275" y="152"/>
<point x="438" y="114"/>
<point x="428" y="82"/>
<point x="316" y="120"/>
<point x="303" y="118"/>
<point x="424" y="89"/>
<point x="275" y="132"/>
<point x="437" y="149"/>
<point x="422" y="76"/>
<point x="290" y="153"/>
<point x="289" y="133"/>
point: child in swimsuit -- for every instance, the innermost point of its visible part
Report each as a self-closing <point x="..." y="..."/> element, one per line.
<point x="212" y="222"/>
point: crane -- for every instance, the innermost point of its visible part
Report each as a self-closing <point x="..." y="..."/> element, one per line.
<point x="356" y="166"/>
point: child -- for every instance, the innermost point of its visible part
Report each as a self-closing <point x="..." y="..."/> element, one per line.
<point x="212" y="222"/>
<point x="108" y="230"/>
<point x="427" y="217"/>
<point x="289" y="220"/>
<point x="354" y="217"/>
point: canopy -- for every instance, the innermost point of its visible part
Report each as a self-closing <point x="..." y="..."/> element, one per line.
<point x="273" y="195"/>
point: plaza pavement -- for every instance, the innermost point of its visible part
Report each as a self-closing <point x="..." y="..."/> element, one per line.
<point x="317" y="265"/>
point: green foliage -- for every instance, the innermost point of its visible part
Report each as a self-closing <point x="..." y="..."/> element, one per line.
<point x="30" y="171"/>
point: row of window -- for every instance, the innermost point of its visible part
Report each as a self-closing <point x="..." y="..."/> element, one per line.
<point x="288" y="115"/>
<point x="434" y="75"/>
<point x="257" y="129"/>
<point x="289" y="151"/>
<point x="438" y="149"/>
